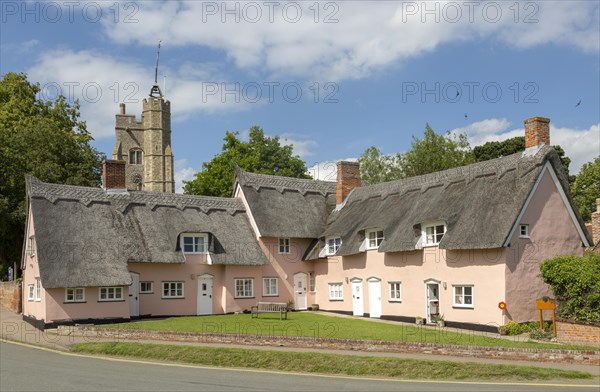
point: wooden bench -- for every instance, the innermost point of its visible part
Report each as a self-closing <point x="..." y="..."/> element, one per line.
<point x="269" y="307"/>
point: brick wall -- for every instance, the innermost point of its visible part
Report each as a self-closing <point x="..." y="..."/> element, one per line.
<point x="113" y="174"/>
<point x="537" y="130"/>
<point x="93" y="334"/>
<point x="10" y="296"/>
<point x="571" y="332"/>
<point x="348" y="178"/>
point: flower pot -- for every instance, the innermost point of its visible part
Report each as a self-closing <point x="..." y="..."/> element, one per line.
<point x="420" y="321"/>
<point x="314" y="307"/>
<point x="441" y="323"/>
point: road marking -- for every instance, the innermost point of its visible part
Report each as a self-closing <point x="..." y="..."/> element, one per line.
<point x="189" y="366"/>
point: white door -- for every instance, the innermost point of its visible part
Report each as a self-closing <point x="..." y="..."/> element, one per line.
<point x="357" y="298"/>
<point x="134" y="295"/>
<point x="433" y="301"/>
<point x="300" y="290"/>
<point x="205" y="294"/>
<point x="374" y="298"/>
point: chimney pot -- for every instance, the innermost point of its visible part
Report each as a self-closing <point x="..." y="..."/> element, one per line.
<point x="113" y="174"/>
<point x="537" y="131"/>
<point x="348" y="178"/>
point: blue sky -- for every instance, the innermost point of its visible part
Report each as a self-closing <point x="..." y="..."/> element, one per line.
<point x="381" y="69"/>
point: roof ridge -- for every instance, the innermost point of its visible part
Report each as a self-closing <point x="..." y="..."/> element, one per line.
<point x="53" y="192"/>
<point x="459" y="173"/>
<point x="266" y="180"/>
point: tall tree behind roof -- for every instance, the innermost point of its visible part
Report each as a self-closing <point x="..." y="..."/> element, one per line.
<point x="260" y="154"/>
<point x="44" y="138"/>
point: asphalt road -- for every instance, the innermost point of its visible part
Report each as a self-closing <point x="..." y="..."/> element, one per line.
<point x="24" y="368"/>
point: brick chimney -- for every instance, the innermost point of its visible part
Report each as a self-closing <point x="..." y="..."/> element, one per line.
<point x="348" y="178"/>
<point x="113" y="174"/>
<point x="596" y="223"/>
<point x="537" y="131"/>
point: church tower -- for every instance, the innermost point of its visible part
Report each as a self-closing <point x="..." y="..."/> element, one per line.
<point x="145" y="145"/>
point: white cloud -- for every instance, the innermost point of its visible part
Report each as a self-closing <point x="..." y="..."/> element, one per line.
<point x="326" y="171"/>
<point x="101" y="82"/>
<point x="302" y="146"/>
<point x="580" y="145"/>
<point x="365" y="35"/>
<point x="183" y="172"/>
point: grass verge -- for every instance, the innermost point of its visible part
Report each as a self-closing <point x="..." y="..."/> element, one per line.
<point x="310" y="362"/>
<point x="316" y="325"/>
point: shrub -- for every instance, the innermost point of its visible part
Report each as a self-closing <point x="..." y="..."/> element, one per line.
<point x="576" y="286"/>
<point x="514" y="328"/>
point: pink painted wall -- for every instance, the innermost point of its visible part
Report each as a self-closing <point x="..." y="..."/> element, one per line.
<point x="552" y="233"/>
<point x="57" y="309"/>
<point x="481" y="268"/>
<point x="31" y="270"/>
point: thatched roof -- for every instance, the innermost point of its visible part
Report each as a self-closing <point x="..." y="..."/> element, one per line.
<point x="479" y="203"/>
<point x="287" y="207"/>
<point x="86" y="236"/>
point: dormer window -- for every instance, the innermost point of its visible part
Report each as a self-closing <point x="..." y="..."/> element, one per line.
<point x="332" y="245"/>
<point x="135" y="157"/>
<point x="524" y="231"/>
<point x="194" y="243"/>
<point x="433" y="233"/>
<point x="373" y="238"/>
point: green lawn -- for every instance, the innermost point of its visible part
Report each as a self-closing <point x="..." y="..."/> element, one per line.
<point x="324" y="326"/>
<point x="330" y="363"/>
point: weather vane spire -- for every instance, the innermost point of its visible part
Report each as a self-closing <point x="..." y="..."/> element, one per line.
<point x="155" y="92"/>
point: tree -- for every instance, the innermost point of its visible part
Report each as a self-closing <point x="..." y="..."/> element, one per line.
<point x="260" y="154"/>
<point x="436" y="152"/>
<point x="430" y="154"/>
<point x="574" y="281"/>
<point x="586" y="188"/>
<point x="493" y="150"/>
<point x="42" y="138"/>
<point x="375" y="167"/>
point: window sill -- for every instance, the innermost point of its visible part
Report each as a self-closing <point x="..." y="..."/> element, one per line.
<point x="430" y="245"/>
<point x="284" y="253"/>
<point x="463" y="306"/>
<point x="75" y="302"/>
<point x="147" y="292"/>
<point x="244" y="297"/>
<point x="111" y="300"/>
<point x="525" y="237"/>
<point x="270" y="295"/>
<point x="172" y="297"/>
<point x="336" y="299"/>
<point x="395" y="300"/>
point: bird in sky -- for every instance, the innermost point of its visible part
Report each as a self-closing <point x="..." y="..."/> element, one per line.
<point x="466" y="116"/>
<point x="578" y="103"/>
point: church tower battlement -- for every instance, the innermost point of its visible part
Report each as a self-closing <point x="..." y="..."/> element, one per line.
<point x="145" y="145"/>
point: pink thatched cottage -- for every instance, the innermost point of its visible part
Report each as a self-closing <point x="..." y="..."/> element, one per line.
<point x="454" y="243"/>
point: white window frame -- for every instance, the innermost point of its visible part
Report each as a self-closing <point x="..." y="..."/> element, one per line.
<point x="38" y="289"/>
<point x="284" y="246"/>
<point x="30" y="292"/>
<point x="173" y="286"/>
<point x="151" y="283"/>
<point x="462" y="287"/>
<point x="523" y="231"/>
<point x="74" y="291"/>
<point x="433" y="225"/>
<point x="198" y="239"/>
<point x="245" y="293"/>
<point x="115" y="290"/>
<point x="378" y="240"/>
<point x="393" y="290"/>
<point x="32" y="246"/>
<point x="312" y="283"/>
<point x="332" y="243"/>
<point x="336" y="291"/>
<point x="267" y="289"/>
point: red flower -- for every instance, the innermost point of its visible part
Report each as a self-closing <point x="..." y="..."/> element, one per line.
<point x="502" y="305"/>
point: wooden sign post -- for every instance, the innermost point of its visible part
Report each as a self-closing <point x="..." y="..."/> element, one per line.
<point x="546" y="303"/>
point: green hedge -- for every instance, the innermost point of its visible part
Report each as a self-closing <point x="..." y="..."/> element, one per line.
<point x="576" y="285"/>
